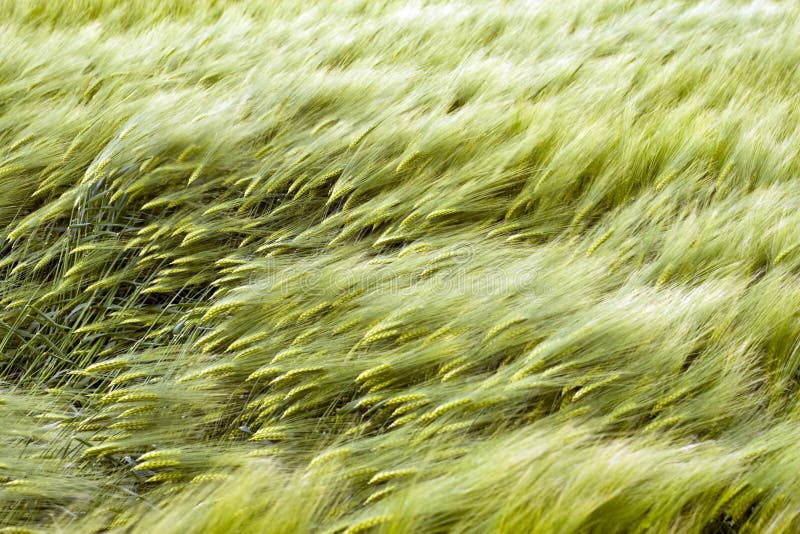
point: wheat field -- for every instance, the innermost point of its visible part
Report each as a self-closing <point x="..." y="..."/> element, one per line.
<point x="399" y="266"/>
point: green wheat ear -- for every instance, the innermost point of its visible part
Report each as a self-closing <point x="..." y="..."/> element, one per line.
<point x="367" y="524"/>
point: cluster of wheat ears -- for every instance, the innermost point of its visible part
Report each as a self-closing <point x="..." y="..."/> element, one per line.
<point x="399" y="266"/>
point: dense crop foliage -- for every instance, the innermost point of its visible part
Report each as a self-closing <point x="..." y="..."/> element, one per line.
<point x="399" y="266"/>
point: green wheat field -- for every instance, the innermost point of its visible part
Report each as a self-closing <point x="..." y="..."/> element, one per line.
<point x="364" y="266"/>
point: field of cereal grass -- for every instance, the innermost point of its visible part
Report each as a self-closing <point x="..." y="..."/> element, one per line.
<point x="399" y="266"/>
